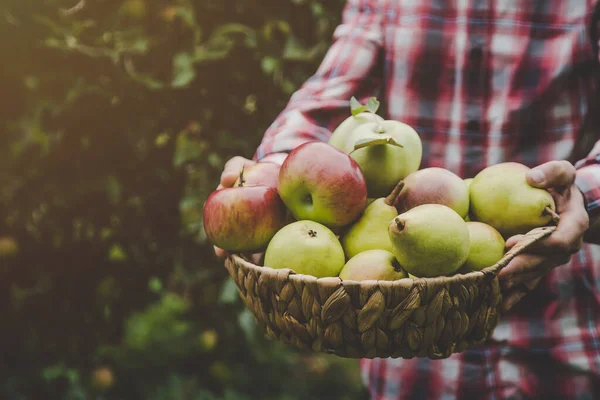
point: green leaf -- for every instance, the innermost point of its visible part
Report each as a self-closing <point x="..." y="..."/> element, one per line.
<point x="113" y="189"/>
<point x="228" y="29"/>
<point x="295" y="51"/>
<point x="229" y="292"/>
<point x="355" y="107"/>
<point x="116" y="253"/>
<point x="247" y="323"/>
<point x="183" y="70"/>
<point x="269" y="64"/>
<point x="187" y="149"/>
<point x="155" y="285"/>
<point x="372" y="105"/>
<point x="161" y="140"/>
<point x="222" y="40"/>
<point x="278" y="25"/>
<point x="373" y="141"/>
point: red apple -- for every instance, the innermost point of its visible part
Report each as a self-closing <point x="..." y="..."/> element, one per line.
<point x="261" y="173"/>
<point x="243" y="219"/>
<point x="321" y="183"/>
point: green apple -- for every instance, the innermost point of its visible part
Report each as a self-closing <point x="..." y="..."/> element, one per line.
<point x="386" y="150"/>
<point x="340" y="135"/>
<point x="306" y="247"/>
<point x="373" y="265"/>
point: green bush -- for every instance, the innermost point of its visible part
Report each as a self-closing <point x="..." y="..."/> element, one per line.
<point x="117" y="118"/>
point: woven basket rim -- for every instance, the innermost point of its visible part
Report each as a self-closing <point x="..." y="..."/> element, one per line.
<point x="487" y="273"/>
<point x="286" y="273"/>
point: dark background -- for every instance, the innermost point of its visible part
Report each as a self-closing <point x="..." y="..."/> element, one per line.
<point x="116" y="119"/>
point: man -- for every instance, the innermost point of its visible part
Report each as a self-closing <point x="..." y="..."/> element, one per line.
<point x="483" y="82"/>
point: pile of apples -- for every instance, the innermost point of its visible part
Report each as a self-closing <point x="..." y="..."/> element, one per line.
<point x="360" y="208"/>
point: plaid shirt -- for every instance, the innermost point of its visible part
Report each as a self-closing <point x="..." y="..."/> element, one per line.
<point x="482" y="82"/>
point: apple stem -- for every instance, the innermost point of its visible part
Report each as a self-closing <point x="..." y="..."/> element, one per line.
<point x="553" y="214"/>
<point x="400" y="223"/>
<point x="390" y="200"/>
<point x="242" y="181"/>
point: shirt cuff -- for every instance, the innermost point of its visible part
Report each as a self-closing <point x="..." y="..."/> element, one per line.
<point x="588" y="182"/>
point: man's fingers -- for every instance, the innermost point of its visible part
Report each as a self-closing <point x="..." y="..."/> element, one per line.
<point x="232" y="170"/>
<point x="220" y="253"/>
<point x="512" y="298"/>
<point x="518" y="269"/>
<point x="511" y="241"/>
<point x="568" y="236"/>
<point x="553" y="174"/>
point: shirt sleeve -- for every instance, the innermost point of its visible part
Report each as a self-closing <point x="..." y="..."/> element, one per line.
<point x="588" y="168"/>
<point x="351" y="67"/>
<point x="588" y="180"/>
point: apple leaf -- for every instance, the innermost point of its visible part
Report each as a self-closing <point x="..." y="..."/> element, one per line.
<point x="355" y="107"/>
<point x="372" y="105"/>
<point x="372" y="141"/>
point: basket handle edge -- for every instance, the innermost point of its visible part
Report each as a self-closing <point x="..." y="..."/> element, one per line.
<point x="528" y="239"/>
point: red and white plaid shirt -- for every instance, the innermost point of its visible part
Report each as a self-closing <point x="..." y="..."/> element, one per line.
<point x="482" y="82"/>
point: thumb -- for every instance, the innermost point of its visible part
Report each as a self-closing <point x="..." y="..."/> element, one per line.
<point x="553" y="174"/>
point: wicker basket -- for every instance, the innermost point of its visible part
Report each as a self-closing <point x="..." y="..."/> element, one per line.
<point x="427" y="317"/>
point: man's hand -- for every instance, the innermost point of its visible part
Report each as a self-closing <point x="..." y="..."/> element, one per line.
<point x="526" y="270"/>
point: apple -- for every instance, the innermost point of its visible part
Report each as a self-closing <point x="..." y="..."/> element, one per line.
<point x="243" y="218"/>
<point x="306" y="247"/>
<point x="261" y="173"/>
<point x="321" y="183"/>
<point x="339" y="137"/>
<point x="386" y="150"/>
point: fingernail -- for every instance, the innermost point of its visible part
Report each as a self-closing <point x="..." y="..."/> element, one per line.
<point x="537" y="176"/>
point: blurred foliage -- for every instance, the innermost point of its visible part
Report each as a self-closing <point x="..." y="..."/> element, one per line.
<point x="116" y="118"/>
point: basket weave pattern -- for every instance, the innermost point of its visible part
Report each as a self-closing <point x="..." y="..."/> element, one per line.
<point x="426" y="317"/>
